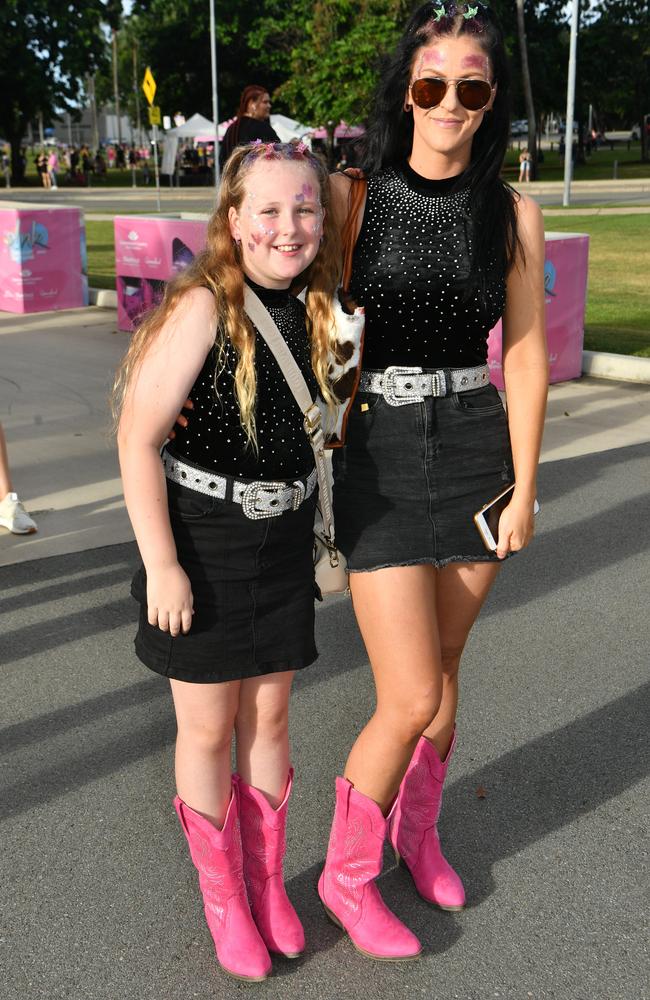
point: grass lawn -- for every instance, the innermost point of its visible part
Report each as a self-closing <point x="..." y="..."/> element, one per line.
<point x="599" y="166"/>
<point x="618" y="296"/>
<point x="618" y="300"/>
<point x="101" y="253"/>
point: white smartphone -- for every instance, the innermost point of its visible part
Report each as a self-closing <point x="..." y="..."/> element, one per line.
<point x="487" y="518"/>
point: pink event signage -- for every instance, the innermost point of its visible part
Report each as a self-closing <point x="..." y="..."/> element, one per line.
<point x="41" y="258"/>
<point x="565" y="281"/>
<point x="149" y="250"/>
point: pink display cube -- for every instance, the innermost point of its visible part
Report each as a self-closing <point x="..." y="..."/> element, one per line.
<point x="565" y="281"/>
<point x="41" y="266"/>
<point x="149" y="250"/>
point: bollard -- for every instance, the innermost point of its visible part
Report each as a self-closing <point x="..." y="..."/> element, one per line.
<point x="615" y="170"/>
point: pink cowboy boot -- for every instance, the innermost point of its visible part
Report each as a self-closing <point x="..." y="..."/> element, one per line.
<point x="347" y="888"/>
<point x="413" y="828"/>
<point x="217" y="856"/>
<point x="264" y="844"/>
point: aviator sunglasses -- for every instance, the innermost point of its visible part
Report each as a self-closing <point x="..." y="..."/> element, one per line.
<point x="428" y="93"/>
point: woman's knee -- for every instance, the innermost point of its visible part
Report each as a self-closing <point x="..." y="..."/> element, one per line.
<point x="408" y="718"/>
<point x="450" y="655"/>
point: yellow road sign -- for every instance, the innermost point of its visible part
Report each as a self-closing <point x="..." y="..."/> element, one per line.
<point x="149" y="86"/>
<point x="154" y="115"/>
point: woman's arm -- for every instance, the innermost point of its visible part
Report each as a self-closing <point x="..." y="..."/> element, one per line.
<point x="161" y="383"/>
<point x="525" y="372"/>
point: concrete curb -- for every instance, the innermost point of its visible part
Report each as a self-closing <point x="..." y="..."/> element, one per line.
<point x="105" y="298"/>
<point x="622" y="367"/>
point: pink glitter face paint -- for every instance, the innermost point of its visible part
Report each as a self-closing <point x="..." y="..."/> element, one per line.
<point x="299" y="197"/>
<point x="479" y="63"/>
<point x="432" y="58"/>
<point x="308" y="191"/>
<point x="251" y="247"/>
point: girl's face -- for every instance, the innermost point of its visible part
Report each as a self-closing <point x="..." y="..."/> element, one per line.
<point x="279" y="222"/>
<point x="445" y="132"/>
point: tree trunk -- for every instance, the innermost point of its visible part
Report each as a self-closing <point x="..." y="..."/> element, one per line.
<point x="14" y="133"/>
<point x="116" y="92"/>
<point x="528" y="90"/>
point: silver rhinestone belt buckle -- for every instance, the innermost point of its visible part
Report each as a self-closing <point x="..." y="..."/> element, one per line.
<point x="261" y="500"/>
<point x="404" y="392"/>
<point x="299" y="492"/>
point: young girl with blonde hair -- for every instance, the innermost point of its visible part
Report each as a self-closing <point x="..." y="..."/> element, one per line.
<point x="224" y="524"/>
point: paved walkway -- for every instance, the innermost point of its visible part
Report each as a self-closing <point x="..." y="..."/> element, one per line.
<point x="545" y="812"/>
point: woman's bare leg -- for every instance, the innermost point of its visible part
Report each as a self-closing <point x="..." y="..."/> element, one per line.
<point x="262" y="728"/>
<point x="461" y="591"/>
<point x="205" y="714"/>
<point x="395" y="609"/>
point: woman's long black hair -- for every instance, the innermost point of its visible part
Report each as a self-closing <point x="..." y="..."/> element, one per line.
<point x="389" y="137"/>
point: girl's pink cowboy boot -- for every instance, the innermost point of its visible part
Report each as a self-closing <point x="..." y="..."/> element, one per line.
<point x="263" y="837"/>
<point x="217" y="856"/>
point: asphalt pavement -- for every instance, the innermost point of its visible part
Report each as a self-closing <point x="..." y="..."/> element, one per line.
<point x="545" y="813"/>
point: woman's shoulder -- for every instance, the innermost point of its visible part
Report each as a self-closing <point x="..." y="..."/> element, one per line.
<point x="529" y="214"/>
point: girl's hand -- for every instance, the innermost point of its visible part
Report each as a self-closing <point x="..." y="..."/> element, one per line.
<point x="170" y="604"/>
<point x="516" y="526"/>
<point x="180" y="419"/>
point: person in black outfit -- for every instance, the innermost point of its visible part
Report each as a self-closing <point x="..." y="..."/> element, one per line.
<point x="224" y="522"/>
<point x="444" y="250"/>
<point x="252" y="122"/>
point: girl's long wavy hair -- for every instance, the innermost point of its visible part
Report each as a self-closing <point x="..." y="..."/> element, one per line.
<point x="219" y="268"/>
<point x="389" y="138"/>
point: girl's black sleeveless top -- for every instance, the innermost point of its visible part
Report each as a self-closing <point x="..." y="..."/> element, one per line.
<point x="214" y="437"/>
<point x="410" y="270"/>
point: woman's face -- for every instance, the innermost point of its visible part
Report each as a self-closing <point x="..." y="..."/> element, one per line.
<point x="260" y="108"/>
<point x="445" y="132"/>
<point x="279" y="222"/>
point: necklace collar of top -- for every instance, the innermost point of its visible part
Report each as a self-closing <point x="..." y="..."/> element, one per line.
<point x="424" y="185"/>
<point x="269" y="296"/>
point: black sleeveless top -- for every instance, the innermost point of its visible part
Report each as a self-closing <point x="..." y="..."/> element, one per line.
<point x="410" y="270"/>
<point x="214" y="437"/>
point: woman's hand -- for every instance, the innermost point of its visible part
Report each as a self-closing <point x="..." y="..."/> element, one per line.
<point x="516" y="526"/>
<point x="170" y="604"/>
<point x="181" y="420"/>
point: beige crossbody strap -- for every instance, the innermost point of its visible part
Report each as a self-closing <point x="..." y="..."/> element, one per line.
<point x="267" y="327"/>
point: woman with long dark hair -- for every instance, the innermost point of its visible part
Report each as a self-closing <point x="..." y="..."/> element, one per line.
<point x="445" y="248"/>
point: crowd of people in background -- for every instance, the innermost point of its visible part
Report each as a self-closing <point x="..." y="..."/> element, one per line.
<point x="76" y="164"/>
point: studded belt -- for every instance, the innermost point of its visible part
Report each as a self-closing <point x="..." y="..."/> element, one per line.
<point x="400" y="386"/>
<point x="258" y="499"/>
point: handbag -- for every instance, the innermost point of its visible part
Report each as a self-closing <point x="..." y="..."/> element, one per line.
<point x="329" y="563"/>
<point x="345" y="358"/>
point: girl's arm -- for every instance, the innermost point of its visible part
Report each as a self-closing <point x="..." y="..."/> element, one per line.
<point x="159" y="386"/>
<point x="525" y="372"/>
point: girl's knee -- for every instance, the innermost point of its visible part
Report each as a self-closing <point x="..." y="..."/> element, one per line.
<point x="206" y="739"/>
<point x="450" y="655"/>
<point x="269" y="723"/>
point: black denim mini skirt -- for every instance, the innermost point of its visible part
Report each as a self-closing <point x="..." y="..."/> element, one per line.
<point x="410" y="478"/>
<point x="253" y="587"/>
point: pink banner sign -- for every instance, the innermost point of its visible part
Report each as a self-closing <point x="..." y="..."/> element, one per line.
<point x="148" y="252"/>
<point x="565" y="285"/>
<point x="41" y="259"/>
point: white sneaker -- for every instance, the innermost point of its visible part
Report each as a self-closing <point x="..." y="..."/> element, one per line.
<point x="14" y="516"/>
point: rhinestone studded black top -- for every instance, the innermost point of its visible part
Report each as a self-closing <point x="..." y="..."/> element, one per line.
<point x="215" y="439"/>
<point x="410" y="270"/>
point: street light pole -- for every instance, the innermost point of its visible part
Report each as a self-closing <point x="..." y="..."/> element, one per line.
<point x="570" y="102"/>
<point x="215" y="103"/>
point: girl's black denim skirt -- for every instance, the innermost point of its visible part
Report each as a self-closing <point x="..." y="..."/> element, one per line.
<point x="410" y="478"/>
<point x="253" y="587"/>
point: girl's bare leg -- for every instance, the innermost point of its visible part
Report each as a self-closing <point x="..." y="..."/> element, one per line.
<point x="395" y="609"/>
<point x="262" y="728"/>
<point x="461" y="591"/>
<point x="205" y="714"/>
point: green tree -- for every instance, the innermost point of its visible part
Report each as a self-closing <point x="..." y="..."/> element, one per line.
<point x="618" y="38"/>
<point x="45" y="50"/>
<point x="330" y="51"/>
